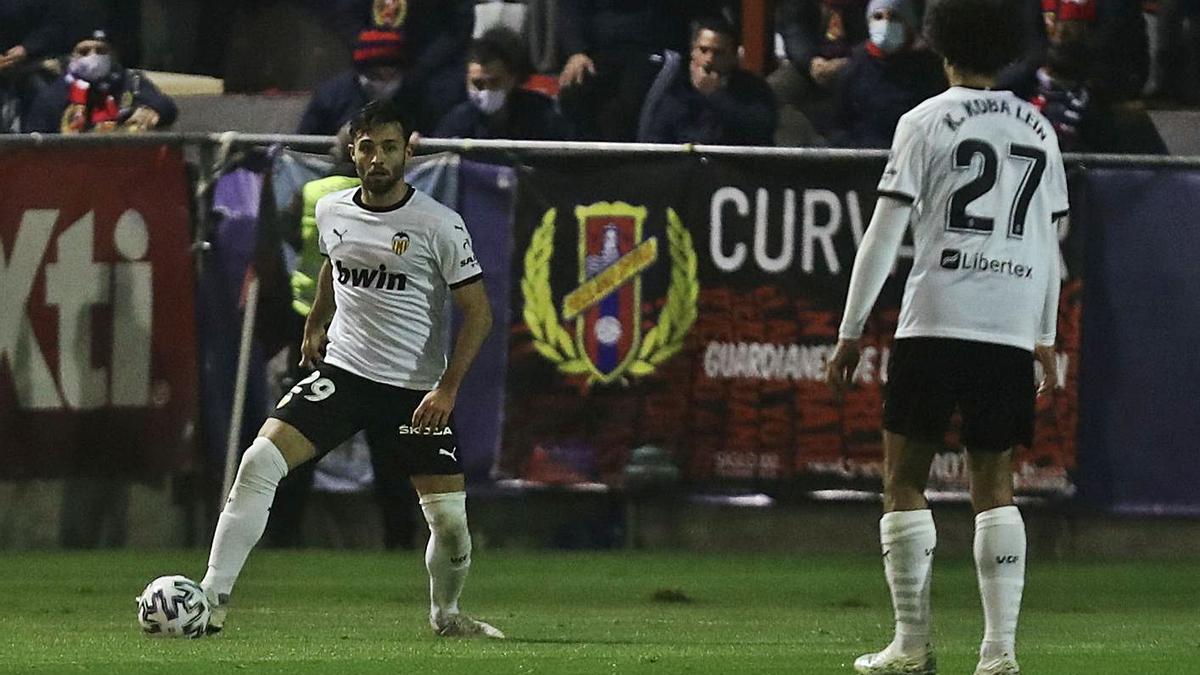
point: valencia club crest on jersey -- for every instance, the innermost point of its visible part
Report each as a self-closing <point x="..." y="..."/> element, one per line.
<point x="605" y="302"/>
<point x="389" y="13"/>
<point x="399" y="243"/>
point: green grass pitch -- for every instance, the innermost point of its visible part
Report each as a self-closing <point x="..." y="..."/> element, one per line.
<point x="349" y="613"/>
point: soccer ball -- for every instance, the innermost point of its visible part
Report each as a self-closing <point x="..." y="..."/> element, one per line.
<point x="173" y="606"/>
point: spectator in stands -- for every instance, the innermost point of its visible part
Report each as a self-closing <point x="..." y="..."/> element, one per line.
<point x="377" y="74"/>
<point x="1089" y="99"/>
<point x="1176" y="63"/>
<point x="1061" y="89"/>
<point x="1122" y="49"/>
<point x="709" y="99"/>
<point x="497" y="64"/>
<point x="30" y="31"/>
<point x="886" y="77"/>
<point x="98" y="94"/>
<point x="818" y="38"/>
<point x="436" y="34"/>
<point x="616" y="49"/>
<point x="1019" y="77"/>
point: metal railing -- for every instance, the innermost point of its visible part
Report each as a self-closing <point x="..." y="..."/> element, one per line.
<point x="526" y="148"/>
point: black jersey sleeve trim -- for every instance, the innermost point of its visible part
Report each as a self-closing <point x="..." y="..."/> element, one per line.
<point x="898" y="196"/>
<point x="466" y="282"/>
<point x="1059" y="214"/>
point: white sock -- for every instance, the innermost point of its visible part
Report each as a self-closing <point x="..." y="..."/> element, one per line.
<point x="245" y="514"/>
<point x="1000" y="564"/>
<point x="448" y="556"/>
<point x="909" y="539"/>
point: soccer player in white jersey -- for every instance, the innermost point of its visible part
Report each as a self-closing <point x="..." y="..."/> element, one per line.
<point x="977" y="175"/>
<point x="395" y="257"/>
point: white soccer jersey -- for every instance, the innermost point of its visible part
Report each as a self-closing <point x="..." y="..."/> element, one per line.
<point x="393" y="270"/>
<point x="984" y="174"/>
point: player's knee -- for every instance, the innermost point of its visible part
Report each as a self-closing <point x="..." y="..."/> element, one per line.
<point x="446" y="513"/>
<point x="262" y="467"/>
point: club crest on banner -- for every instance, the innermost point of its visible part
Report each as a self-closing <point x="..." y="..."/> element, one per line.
<point x="605" y="308"/>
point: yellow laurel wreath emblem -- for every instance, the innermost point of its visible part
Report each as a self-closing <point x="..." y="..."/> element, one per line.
<point x="663" y="341"/>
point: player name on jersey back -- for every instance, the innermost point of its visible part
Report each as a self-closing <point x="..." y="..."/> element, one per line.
<point x="1023" y="113"/>
<point x="985" y="176"/>
<point x="393" y="270"/>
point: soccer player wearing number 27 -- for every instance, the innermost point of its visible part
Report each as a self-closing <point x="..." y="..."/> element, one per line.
<point x="978" y="176"/>
<point x="394" y="259"/>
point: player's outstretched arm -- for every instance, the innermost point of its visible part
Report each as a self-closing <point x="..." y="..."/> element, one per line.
<point x="871" y="267"/>
<point x="318" y="318"/>
<point x="472" y="301"/>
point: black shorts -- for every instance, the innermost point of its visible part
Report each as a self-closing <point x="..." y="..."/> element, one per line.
<point x="331" y="405"/>
<point x="991" y="385"/>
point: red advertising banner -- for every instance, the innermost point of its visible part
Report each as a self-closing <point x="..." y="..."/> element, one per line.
<point x="691" y="304"/>
<point x="97" y="324"/>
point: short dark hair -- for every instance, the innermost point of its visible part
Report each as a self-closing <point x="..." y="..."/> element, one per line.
<point x="980" y="36"/>
<point x="503" y="45"/>
<point x="377" y="114"/>
<point x="717" y="25"/>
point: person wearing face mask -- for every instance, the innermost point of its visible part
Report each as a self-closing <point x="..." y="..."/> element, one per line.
<point x="97" y="94"/>
<point x="887" y="76"/>
<point x="708" y="99"/>
<point x="497" y="63"/>
<point x="377" y="75"/>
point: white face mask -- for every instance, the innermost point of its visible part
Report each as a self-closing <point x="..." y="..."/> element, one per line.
<point x="92" y="68"/>
<point x="488" y="101"/>
<point x="380" y="90"/>
<point x="888" y="35"/>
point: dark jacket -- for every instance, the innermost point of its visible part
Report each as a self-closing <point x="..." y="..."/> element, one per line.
<point x="530" y="116"/>
<point x="130" y="88"/>
<point x="338" y="99"/>
<point x="436" y="32"/>
<point x="615" y="26"/>
<point x="1124" y="128"/>
<point x="743" y="113"/>
<point x="38" y="25"/>
<point x="874" y="92"/>
<point x="812" y="28"/>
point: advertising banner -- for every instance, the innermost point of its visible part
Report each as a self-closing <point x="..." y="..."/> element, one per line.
<point x="97" y="326"/>
<point x="486" y="204"/>
<point x="691" y="304"/>
<point x="1141" y="397"/>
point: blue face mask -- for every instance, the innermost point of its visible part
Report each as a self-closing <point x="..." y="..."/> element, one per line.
<point x="887" y="34"/>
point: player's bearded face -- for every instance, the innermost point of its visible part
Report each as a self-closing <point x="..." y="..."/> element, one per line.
<point x="379" y="155"/>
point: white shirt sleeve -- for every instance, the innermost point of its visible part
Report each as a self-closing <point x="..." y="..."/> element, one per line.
<point x="456" y="255"/>
<point x="1049" y="321"/>
<point x="1060" y="210"/>
<point x="874" y="262"/>
<point x="1059" y="204"/>
<point x="319" y="211"/>
<point x="906" y="166"/>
